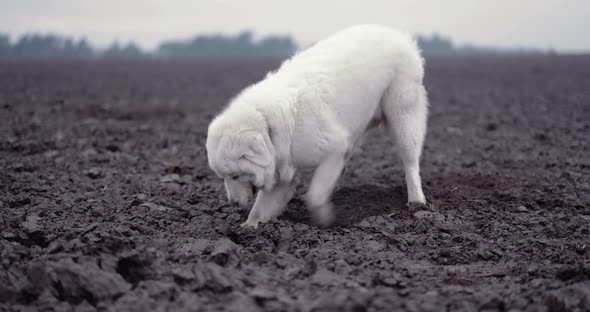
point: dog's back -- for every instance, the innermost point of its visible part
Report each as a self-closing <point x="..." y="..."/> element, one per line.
<point x="349" y="73"/>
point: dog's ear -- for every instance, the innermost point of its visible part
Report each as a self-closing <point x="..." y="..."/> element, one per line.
<point x="258" y="150"/>
<point x="261" y="152"/>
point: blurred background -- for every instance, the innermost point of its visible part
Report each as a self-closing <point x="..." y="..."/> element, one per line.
<point x="223" y="28"/>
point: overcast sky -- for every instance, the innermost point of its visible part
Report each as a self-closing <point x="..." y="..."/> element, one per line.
<point x="561" y="24"/>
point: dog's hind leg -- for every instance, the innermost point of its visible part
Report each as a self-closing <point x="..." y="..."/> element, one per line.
<point x="270" y="204"/>
<point x="405" y="106"/>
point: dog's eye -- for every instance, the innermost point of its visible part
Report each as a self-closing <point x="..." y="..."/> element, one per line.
<point x="235" y="177"/>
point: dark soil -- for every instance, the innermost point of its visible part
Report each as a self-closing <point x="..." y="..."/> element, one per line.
<point x="107" y="201"/>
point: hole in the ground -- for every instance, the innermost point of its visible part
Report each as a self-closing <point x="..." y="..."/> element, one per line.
<point x="132" y="268"/>
<point x="353" y="204"/>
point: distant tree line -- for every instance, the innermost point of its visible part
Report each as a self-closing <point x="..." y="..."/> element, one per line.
<point x="43" y="46"/>
<point x="52" y="46"/>
<point x="220" y="45"/>
<point x="437" y="44"/>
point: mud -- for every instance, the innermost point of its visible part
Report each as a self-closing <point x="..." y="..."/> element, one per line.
<point x="107" y="203"/>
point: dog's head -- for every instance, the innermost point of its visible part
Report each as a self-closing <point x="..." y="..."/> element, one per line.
<point x="244" y="158"/>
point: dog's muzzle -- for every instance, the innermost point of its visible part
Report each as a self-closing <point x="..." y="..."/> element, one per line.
<point x="243" y="200"/>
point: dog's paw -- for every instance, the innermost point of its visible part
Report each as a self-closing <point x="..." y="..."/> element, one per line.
<point x="250" y="225"/>
<point x="415" y="206"/>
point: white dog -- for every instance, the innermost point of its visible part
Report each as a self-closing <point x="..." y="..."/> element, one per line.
<point x="312" y="111"/>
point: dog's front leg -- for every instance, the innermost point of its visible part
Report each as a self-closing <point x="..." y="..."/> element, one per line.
<point x="322" y="185"/>
<point x="270" y="204"/>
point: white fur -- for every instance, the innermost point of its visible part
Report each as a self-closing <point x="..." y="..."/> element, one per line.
<point x="312" y="111"/>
